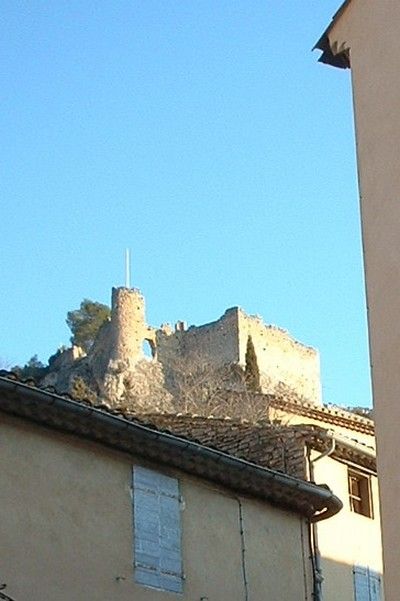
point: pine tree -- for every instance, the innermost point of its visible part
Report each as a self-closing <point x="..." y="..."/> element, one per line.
<point x="86" y="321"/>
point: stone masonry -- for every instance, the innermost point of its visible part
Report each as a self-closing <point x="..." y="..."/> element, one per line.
<point x="117" y="363"/>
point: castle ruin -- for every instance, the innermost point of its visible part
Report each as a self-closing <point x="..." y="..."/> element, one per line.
<point x="117" y="361"/>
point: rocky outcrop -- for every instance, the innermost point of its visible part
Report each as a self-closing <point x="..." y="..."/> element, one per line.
<point x="117" y="369"/>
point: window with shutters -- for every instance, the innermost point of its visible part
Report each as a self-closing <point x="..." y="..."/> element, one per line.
<point x="157" y="530"/>
<point x="360" y="493"/>
<point x="367" y="584"/>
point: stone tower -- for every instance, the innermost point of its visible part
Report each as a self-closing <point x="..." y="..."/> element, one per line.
<point x="128" y="325"/>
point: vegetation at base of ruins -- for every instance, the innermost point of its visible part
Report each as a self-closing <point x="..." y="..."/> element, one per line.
<point x="33" y="369"/>
<point x="251" y="372"/>
<point x="81" y="391"/>
<point x="86" y="322"/>
<point x="200" y="387"/>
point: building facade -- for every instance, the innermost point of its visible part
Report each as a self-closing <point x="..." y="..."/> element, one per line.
<point x="326" y="446"/>
<point x="364" y="35"/>
<point x="95" y="505"/>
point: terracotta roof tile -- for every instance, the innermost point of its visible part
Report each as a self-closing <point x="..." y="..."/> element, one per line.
<point x="275" y="446"/>
<point x="236" y="454"/>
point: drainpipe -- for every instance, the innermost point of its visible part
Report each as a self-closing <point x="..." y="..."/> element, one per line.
<point x="313" y="528"/>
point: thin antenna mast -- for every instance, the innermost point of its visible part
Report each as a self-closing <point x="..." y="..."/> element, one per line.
<point x="127" y="268"/>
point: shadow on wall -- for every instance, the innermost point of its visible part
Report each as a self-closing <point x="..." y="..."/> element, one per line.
<point x="346" y="582"/>
<point x="340" y="582"/>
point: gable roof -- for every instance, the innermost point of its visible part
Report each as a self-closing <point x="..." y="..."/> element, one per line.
<point x="126" y="433"/>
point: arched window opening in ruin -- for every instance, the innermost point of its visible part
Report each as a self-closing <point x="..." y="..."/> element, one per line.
<point x="149" y="349"/>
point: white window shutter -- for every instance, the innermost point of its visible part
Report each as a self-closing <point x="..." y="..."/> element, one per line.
<point x="361" y="585"/>
<point x="157" y="530"/>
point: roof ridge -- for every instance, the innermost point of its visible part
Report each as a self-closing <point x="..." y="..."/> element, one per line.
<point x="333" y="411"/>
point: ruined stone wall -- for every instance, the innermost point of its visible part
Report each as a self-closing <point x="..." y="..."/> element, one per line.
<point x="283" y="362"/>
<point x="281" y="359"/>
<point x="117" y="356"/>
<point x="215" y="342"/>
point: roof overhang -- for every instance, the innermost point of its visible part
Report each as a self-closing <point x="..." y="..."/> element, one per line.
<point x="344" y="449"/>
<point x="116" y="431"/>
<point x="331" y="54"/>
<point x="326" y="414"/>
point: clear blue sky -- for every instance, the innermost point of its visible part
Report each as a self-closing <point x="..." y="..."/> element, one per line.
<point x="203" y="135"/>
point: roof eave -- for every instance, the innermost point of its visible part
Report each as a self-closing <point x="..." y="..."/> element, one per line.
<point x="355" y="422"/>
<point x="340" y="59"/>
<point x="70" y="416"/>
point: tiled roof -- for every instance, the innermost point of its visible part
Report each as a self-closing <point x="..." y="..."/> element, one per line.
<point x="280" y="447"/>
<point x="273" y="446"/>
<point x="330" y="414"/>
<point x="249" y="459"/>
<point x="267" y="445"/>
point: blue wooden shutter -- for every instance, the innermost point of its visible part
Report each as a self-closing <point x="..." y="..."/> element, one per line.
<point x="361" y="585"/>
<point x="157" y="530"/>
<point x="367" y="584"/>
<point x="374" y="586"/>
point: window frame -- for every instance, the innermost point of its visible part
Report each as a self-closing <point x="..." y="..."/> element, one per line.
<point x="360" y="502"/>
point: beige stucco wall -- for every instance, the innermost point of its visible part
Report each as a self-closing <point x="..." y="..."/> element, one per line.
<point x="371" y="30"/>
<point x="66" y="529"/>
<point x="347" y="539"/>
